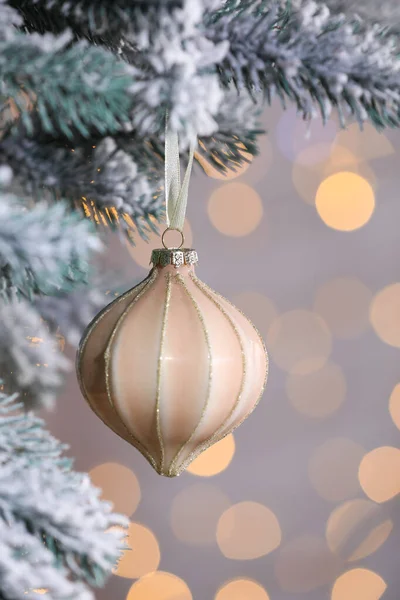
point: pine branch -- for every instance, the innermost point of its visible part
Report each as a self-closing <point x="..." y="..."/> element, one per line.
<point x="96" y="176"/>
<point x="71" y="313"/>
<point x="9" y="18"/>
<point x="312" y="58"/>
<point x="238" y="132"/>
<point x="26" y="565"/>
<point x="172" y="63"/>
<point x="103" y="21"/>
<point x="386" y="11"/>
<point x="121" y="178"/>
<point x="30" y="359"/>
<point x="43" y="250"/>
<point x="23" y="434"/>
<point x="53" y="527"/>
<point x="66" y="89"/>
<point x="47" y="500"/>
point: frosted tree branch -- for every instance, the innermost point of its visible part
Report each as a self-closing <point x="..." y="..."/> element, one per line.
<point x="30" y="359"/>
<point x="308" y="56"/>
<point x="61" y="258"/>
<point x="54" y="530"/>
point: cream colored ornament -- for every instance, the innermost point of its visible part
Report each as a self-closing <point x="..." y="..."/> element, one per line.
<point x="171" y="366"/>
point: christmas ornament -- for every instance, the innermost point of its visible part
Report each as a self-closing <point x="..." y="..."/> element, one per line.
<point x="171" y="366"/>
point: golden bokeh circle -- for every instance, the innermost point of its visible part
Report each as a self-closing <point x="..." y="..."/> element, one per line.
<point x="141" y="251"/>
<point x="316" y="163"/>
<point x="143" y="554"/>
<point x="358" y="584"/>
<point x="344" y="305"/>
<point x="367" y="143"/>
<point x="394" y="405"/>
<point x="319" y="394"/>
<point x="385" y="315"/>
<point x="333" y="469"/>
<point x="248" y="530"/>
<point x="235" y="209"/>
<point x="357" y="529"/>
<point x="379" y="473"/>
<point x="195" y="512"/>
<point x="345" y="201"/>
<point x="215" y="459"/>
<point x="119" y="485"/>
<point x="159" y="585"/>
<point x="258" y="308"/>
<point x="305" y="564"/>
<point x="242" y="589"/>
<point x="299" y="341"/>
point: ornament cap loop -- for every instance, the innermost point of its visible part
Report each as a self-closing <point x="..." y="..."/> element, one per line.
<point x="174" y="247"/>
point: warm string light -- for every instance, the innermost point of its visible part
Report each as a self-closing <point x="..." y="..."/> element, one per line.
<point x="248" y="530"/>
<point x="142" y="556"/>
<point x="159" y="586"/>
<point x="243" y="205"/>
<point x="119" y="485"/>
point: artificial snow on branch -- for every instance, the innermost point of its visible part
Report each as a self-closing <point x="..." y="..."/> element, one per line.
<point x="66" y="91"/>
<point x="175" y="71"/>
<point x="384" y="11"/>
<point x="71" y="313"/>
<point x="45" y="249"/>
<point x="104" y="21"/>
<point x="30" y="359"/>
<point x="306" y="55"/>
<point x="55" y="533"/>
<point x="94" y="173"/>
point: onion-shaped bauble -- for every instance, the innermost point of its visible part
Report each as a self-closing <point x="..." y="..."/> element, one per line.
<point x="171" y="366"/>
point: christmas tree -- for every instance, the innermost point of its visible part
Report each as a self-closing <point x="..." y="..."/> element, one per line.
<point x="86" y="86"/>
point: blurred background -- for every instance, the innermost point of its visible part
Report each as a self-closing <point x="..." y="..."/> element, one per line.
<point x="302" y="500"/>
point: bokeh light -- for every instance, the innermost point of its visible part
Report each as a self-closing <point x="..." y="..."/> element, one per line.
<point x="358" y="584"/>
<point x="40" y="592"/>
<point x="333" y="469"/>
<point x="248" y="530"/>
<point x="119" y="485"/>
<point x="394" y="405"/>
<point x="242" y="589"/>
<point x="294" y="135"/>
<point x="357" y="528"/>
<point x="159" y="586"/>
<point x="385" y="315"/>
<point x="195" y="513"/>
<point x="258" y="308"/>
<point x="367" y="143"/>
<point x="308" y="171"/>
<point x="313" y="165"/>
<point x="143" y="554"/>
<point x="344" y="305"/>
<point x="235" y="209"/>
<point x="299" y="341"/>
<point x="345" y="201"/>
<point x="305" y="564"/>
<point x="141" y="251"/>
<point x="318" y="394"/>
<point x="379" y="473"/>
<point x="215" y="459"/>
<point x="261" y="164"/>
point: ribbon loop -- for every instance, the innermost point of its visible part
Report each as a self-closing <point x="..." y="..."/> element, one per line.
<point x="176" y="195"/>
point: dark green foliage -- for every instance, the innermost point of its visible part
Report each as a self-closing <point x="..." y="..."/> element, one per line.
<point x="71" y="87"/>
